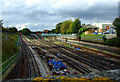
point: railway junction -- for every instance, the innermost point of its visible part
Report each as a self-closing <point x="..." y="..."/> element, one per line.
<point x="40" y="59"/>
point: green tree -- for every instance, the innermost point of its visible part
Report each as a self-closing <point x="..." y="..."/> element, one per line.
<point x="4" y="29"/>
<point x="58" y="27"/>
<point x="65" y="27"/>
<point x="69" y="31"/>
<point x="76" y="25"/>
<point x="25" y="31"/>
<point x="80" y="31"/>
<point x="13" y="30"/>
<point x="116" y="23"/>
<point x="53" y="31"/>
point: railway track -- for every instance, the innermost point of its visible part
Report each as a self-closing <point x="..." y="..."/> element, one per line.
<point x="76" y="65"/>
<point x="93" y="61"/>
<point x="82" y="69"/>
<point x="100" y="58"/>
<point x="26" y="66"/>
<point x="109" y="63"/>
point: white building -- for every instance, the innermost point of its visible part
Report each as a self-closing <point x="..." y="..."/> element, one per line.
<point x="105" y="27"/>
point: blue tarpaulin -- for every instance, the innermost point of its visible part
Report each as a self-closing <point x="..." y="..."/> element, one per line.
<point x="57" y="64"/>
<point x="77" y="48"/>
<point x="95" y="33"/>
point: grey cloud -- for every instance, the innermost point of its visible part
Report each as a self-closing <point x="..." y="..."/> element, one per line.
<point x="42" y="27"/>
<point x="20" y="13"/>
<point x="100" y="10"/>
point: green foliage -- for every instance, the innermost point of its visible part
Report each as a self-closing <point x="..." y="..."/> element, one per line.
<point x="93" y="37"/>
<point x="68" y="27"/>
<point x="104" y="38"/>
<point x="83" y="23"/>
<point x="65" y="27"/>
<point x="13" y="30"/>
<point x="76" y="25"/>
<point x="81" y="30"/>
<point x="5" y="29"/>
<point x="9" y="46"/>
<point x="113" y="42"/>
<point x="83" y="34"/>
<point x="25" y="31"/>
<point x="58" y="27"/>
<point x="53" y="31"/>
<point x="97" y="35"/>
<point x="116" y="23"/>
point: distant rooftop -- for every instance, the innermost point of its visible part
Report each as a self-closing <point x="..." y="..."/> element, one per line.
<point x="89" y="26"/>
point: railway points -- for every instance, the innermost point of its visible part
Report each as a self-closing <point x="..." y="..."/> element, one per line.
<point x="41" y="58"/>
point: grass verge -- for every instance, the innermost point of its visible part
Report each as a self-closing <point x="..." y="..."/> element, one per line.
<point x="9" y="48"/>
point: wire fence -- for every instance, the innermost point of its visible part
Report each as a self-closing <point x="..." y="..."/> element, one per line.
<point x="9" y="62"/>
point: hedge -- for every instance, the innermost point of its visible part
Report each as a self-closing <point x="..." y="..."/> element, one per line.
<point x="113" y="42"/>
<point x="93" y="37"/>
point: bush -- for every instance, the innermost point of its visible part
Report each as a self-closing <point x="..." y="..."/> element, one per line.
<point x="92" y="37"/>
<point x="81" y="30"/>
<point x="113" y="42"/>
<point x="104" y="38"/>
<point x="9" y="46"/>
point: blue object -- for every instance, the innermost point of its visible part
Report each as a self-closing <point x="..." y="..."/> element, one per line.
<point x="53" y="60"/>
<point x="56" y="69"/>
<point x="57" y="64"/>
<point x="49" y="61"/>
<point x="95" y="32"/>
<point x="64" y="65"/>
<point x="77" y="48"/>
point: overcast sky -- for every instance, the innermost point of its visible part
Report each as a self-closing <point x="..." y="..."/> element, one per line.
<point x="45" y="14"/>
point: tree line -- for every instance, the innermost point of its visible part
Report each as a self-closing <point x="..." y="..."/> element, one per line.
<point x="24" y="31"/>
<point x="67" y="27"/>
<point x="10" y="30"/>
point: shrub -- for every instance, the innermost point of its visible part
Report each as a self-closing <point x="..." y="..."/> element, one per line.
<point x="9" y="47"/>
<point x="104" y="38"/>
<point x="93" y="37"/>
<point x="81" y="30"/>
<point x="113" y="42"/>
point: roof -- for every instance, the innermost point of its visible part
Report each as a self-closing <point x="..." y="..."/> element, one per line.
<point x="89" y="26"/>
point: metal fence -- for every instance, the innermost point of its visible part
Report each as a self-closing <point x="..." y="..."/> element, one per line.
<point x="9" y="62"/>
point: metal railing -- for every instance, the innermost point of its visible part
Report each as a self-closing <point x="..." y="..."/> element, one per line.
<point x="9" y="61"/>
